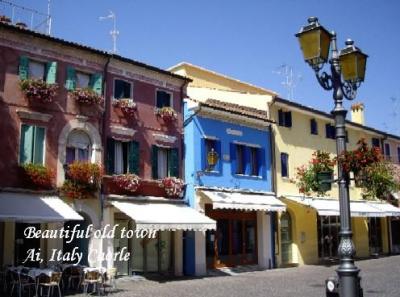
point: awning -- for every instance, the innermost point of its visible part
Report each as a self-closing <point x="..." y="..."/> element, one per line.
<point x="396" y="195"/>
<point x="241" y="201"/>
<point x="330" y="207"/>
<point x="165" y="216"/>
<point x="390" y="210"/>
<point x="33" y="208"/>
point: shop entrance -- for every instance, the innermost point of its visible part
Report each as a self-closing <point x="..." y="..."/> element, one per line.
<point x="235" y="240"/>
<point x="23" y="245"/>
<point x="328" y="236"/>
<point x="375" y="236"/>
<point x="395" y="227"/>
<point x="286" y="238"/>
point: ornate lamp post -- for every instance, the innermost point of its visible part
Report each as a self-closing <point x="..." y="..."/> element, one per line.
<point x="347" y="73"/>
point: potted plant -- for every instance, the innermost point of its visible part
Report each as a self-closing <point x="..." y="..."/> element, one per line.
<point x="82" y="180"/>
<point x="127" y="106"/>
<point x="167" y="113"/>
<point x="173" y="186"/>
<point x="127" y="182"/>
<point x="38" y="176"/>
<point x="86" y="96"/>
<point x="38" y="90"/>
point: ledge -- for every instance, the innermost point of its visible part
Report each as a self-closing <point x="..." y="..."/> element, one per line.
<point x="164" y="138"/>
<point x="120" y="130"/>
<point x="33" y="115"/>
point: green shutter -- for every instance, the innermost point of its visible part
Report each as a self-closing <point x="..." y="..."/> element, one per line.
<point x="154" y="161"/>
<point x="70" y="82"/>
<point x="38" y="145"/>
<point x="133" y="157"/>
<point x="96" y="83"/>
<point x="110" y="156"/>
<point x="51" y="73"/>
<point x="173" y="162"/>
<point x="26" y="144"/>
<point x="23" y="69"/>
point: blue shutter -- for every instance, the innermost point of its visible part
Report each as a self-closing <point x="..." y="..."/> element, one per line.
<point x="38" y="148"/>
<point x="284" y="165"/>
<point x="133" y="157"/>
<point x="203" y="154"/>
<point x="51" y="72"/>
<point x="96" y="83"/>
<point x="26" y="144"/>
<point x="262" y="168"/>
<point x="70" y="83"/>
<point x="246" y="160"/>
<point x="23" y="69"/>
<point x="154" y="162"/>
<point x="218" y="166"/>
<point x="110" y="156"/>
<point x="232" y="149"/>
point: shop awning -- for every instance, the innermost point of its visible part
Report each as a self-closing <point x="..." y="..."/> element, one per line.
<point x="330" y="207"/>
<point x="244" y="201"/>
<point x="165" y="216"/>
<point x="33" y="208"/>
<point x="390" y="210"/>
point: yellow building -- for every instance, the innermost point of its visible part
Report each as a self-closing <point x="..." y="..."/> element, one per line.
<point x="302" y="236"/>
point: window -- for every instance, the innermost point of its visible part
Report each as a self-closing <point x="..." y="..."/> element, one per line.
<point x="211" y="145"/>
<point x="33" y="69"/>
<point x="78" y="147"/>
<point x="387" y="151"/>
<point x="330" y="131"/>
<point x="32" y="144"/>
<point x="284" y="118"/>
<point x="313" y="127"/>
<point x="122" y="157"/>
<point x="284" y="165"/>
<point x="247" y="160"/>
<point x="398" y="154"/>
<point x="165" y="162"/>
<point x="122" y="89"/>
<point x="375" y="142"/>
<point x="240" y="159"/>
<point x="163" y="99"/>
<point x="254" y="161"/>
<point x="347" y="136"/>
<point x="82" y="80"/>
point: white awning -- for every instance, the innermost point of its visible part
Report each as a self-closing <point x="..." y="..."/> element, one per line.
<point x="390" y="210"/>
<point x="396" y="195"/>
<point x="34" y="208"/>
<point x="330" y="207"/>
<point x="165" y="216"/>
<point x="241" y="201"/>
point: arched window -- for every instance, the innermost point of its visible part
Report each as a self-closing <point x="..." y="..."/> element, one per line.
<point x="78" y="147"/>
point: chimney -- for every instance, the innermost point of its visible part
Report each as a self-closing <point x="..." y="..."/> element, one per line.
<point x="357" y="113"/>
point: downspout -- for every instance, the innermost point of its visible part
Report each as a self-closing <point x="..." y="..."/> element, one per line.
<point x="388" y="219"/>
<point x="274" y="189"/>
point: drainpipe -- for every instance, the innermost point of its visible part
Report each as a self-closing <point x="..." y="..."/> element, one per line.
<point x="273" y="218"/>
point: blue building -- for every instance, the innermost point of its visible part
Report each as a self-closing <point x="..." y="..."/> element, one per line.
<point x="228" y="172"/>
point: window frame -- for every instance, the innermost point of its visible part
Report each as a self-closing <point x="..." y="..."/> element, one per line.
<point x="254" y="162"/>
<point x="38" y="61"/>
<point x="313" y="129"/>
<point x="330" y="131"/>
<point x="78" y="71"/>
<point x="126" y="81"/>
<point x="287" y="165"/>
<point x="387" y="150"/>
<point x="242" y="155"/>
<point x="44" y="143"/>
<point x="168" y="92"/>
<point x="373" y="139"/>
<point x="284" y="122"/>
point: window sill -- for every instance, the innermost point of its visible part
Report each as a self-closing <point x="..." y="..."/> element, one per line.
<point x="211" y="172"/>
<point x="248" y="176"/>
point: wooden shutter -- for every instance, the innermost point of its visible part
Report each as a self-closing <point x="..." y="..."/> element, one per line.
<point x="110" y="156"/>
<point x="51" y="72"/>
<point x="38" y="145"/>
<point x="280" y="117"/>
<point x="284" y="165"/>
<point x="173" y="162"/>
<point x="154" y="162"/>
<point x="133" y="157"/>
<point x="23" y="69"/>
<point x="96" y="83"/>
<point x="70" y="82"/>
<point x="288" y="119"/>
<point x="26" y="144"/>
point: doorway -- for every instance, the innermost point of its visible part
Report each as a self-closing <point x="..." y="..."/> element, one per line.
<point x="286" y="238"/>
<point x="375" y="236"/>
<point x="23" y="245"/>
<point x="328" y="236"/>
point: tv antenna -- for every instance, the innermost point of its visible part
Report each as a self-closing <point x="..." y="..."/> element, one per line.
<point x="291" y="80"/>
<point x="114" y="32"/>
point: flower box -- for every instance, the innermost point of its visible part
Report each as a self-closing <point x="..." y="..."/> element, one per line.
<point x="38" y="176"/>
<point x="173" y="186"/>
<point x="127" y="182"/>
<point x="86" y="96"/>
<point x="127" y="106"/>
<point x="38" y="90"/>
<point x="167" y="113"/>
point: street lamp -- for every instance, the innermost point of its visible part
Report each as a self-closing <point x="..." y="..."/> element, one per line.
<point x="347" y="73"/>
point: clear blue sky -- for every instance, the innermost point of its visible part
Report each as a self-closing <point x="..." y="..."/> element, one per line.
<point x="247" y="40"/>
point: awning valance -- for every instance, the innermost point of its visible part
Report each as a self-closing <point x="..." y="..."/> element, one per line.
<point x="390" y="210"/>
<point x="330" y="207"/>
<point x="244" y="201"/>
<point x="165" y="216"/>
<point x="33" y="208"/>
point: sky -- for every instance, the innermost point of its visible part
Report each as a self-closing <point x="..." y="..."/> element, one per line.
<point x="248" y="40"/>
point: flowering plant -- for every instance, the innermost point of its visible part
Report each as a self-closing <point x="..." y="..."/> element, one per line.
<point x="308" y="176"/>
<point x="127" y="182"/>
<point x="83" y="180"/>
<point x="38" y="175"/>
<point x="38" y="90"/>
<point x="173" y="186"/>
<point x="127" y="105"/>
<point x="86" y="96"/>
<point x="167" y="113"/>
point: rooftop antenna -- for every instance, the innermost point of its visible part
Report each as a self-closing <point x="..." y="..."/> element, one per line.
<point x="48" y="18"/>
<point x="114" y="32"/>
<point x="291" y="80"/>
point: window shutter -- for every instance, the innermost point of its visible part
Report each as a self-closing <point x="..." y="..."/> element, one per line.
<point x="203" y="156"/>
<point x="327" y="131"/>
<point x="288" y="119"/>
<point x="218" y="149"/>
<point x="23" y="69"/>
<point x="133" y="157"/>
<point x="26" y="144"/>
<point x="70" y="83"/>
<point x="247" y="160"/>
<point x="51" y="73"/>
<point x="154" y="162"/>
<point x="110" y="156"/>
<point x="96" y="83"/>
<point x="38" y="143"/>
<point x="280" y="117"/>
<point x="284" y="165"/>
<point x="173" y="162"/>
<point x="232" y="150"/>
<point x="262" y="168"/>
